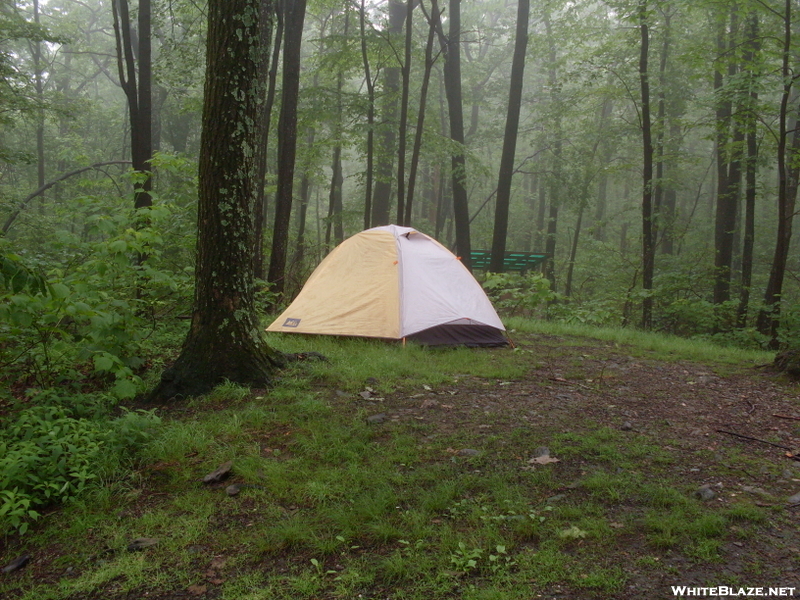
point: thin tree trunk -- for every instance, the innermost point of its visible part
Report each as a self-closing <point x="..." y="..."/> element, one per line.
<point x="769" y="317"/>
<point x="384" y="168"/>
<point x="510" y="140"/>
<point x="272" y="11"/>
<point x="370" y="120"/>
<point x="573" y="252"/>
<point x="451" y="48"/>
<point x="423" y="96"/>
<point x="752" y="51"/>
<point x="728" y="171"/>
<point x="405" y="73"/>
<point x="554" y="187"/>
<point x="287" y="142"/>
<point x="648" y="242"/>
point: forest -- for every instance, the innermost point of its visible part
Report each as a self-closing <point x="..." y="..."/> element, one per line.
<point x="172" y="171"/>
<point x="648" y="147"/>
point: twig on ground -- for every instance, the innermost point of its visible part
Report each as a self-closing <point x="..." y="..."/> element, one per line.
<point x="747" y="437"/>
<point x="787" y="417"/>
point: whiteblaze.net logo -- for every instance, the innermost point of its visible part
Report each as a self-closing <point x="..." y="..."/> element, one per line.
<point x="726" y="591"/>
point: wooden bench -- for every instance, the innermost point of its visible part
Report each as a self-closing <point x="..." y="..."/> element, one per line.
<point x="521" y="262"/>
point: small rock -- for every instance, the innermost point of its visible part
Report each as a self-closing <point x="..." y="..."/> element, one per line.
<point x="376" y="419"/>
<point x="793" y="499"/>
<point x="468" y="452"/>
<point x="788" y="474"/>
<point x="141" y="544"/>
<point x="626" y="426"/>
<point x="541" y="451"/>
<point x="221" y="473"/>
<point x="704" y="493"/>
<point x="233" y="489"/>
<point x="17" y="564"/>
<point x="366" y="394"/>
<point x="341" y="394"/>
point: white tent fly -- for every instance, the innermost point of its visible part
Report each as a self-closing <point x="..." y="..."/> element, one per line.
<point x="396" y="283"/>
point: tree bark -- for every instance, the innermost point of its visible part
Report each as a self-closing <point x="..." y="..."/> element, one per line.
<point x="368" y="176"/>
<point x="225" y="341"/>
<point x="451" y="49"/>
<point x="648" y="241"/>
<point x="510" y="140"/>
<point x="752" y="50"/>
<point x="423" y="96"/>
<point x="287" y="141"/>
<point x="134" y="60"/>
<point x="405" y="73"/>
<point x="728" y="170"/>
<point x="381" y="199"/>
<point x="270" y="12"/>
<point x="769" y="317"/>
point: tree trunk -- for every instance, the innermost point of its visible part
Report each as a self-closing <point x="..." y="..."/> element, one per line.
<point x="648" y="241"/>
<point x="287" y="141"/>
<point x="423" y="96"/>
<point x="752" y="50"/>
<point x="555" y="183"/>
<point x="510" y="140"/>
<point x="225" y="340"/>
<point x="451" y="49"/>
<point x="384" y="168"/>
<point x="728" y="170"/>
<point x="769" y="317"/>
<point x="573" y="252"/>
<point x="305" y="195"/>
<point x="134" y="48"/>
<point x="268" y="72"/>
<point x="370" y="120"/>
<point x="405" y="72"/>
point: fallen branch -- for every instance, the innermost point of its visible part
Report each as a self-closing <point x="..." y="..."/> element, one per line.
<point x="787" y="417"/>
<point x="747" y="437"/>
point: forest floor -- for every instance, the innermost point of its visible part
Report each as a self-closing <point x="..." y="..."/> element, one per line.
<point x="605" y="470"/>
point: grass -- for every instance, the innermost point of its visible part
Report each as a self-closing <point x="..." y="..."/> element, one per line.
<point x="661" y="346"/>
<point x="337" y="508"/>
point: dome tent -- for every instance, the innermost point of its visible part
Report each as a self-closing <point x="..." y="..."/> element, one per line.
<point x="396" y="283"/>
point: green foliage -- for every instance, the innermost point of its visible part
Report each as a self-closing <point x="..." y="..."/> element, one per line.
<point x="51" y="452"/>
<point x="516" y="294"/>
<point x="91" y="316"/>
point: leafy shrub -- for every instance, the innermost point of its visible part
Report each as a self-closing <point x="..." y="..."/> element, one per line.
<point x="516" y="294"/>
<point x="49" y="454"/>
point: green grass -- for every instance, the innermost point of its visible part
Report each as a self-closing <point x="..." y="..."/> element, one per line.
<point x="662" y="347"/>
<point x="339" y="508"/>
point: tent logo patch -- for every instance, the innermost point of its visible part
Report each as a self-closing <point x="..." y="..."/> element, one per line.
<point x="291" y="322"/>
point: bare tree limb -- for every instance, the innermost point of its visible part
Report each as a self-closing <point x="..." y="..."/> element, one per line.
<point x="49" y="184"/>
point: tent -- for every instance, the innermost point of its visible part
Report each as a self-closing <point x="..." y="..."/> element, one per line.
<point x="396" y="283"/>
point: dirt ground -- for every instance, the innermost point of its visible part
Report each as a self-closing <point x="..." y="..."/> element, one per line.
<point x="682" y="406"/>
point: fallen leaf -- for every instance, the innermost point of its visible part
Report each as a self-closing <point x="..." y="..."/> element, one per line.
<point x="197" y="590"/>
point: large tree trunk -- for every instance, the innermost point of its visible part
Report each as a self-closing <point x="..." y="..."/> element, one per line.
<point x="287" y="141"/>
<point x="225" y="341"/>
<point x="510" y="140"/>
<point x="648" y="240"/>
